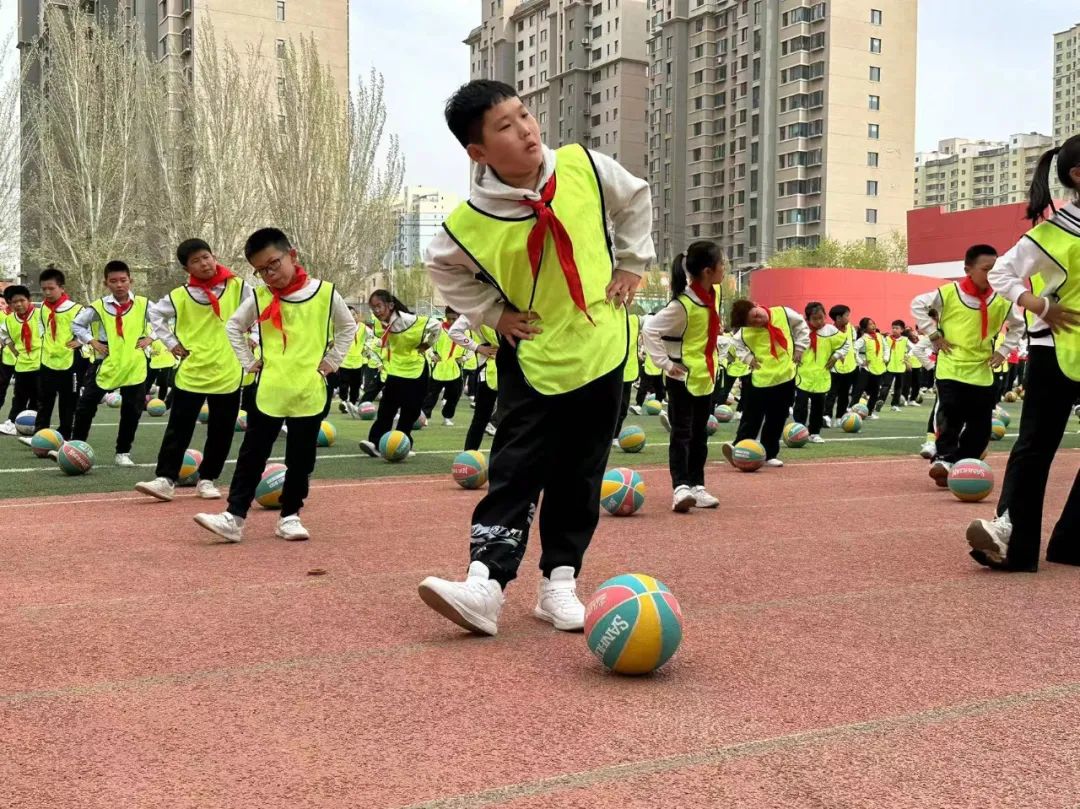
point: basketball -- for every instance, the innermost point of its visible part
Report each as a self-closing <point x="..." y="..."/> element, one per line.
<point x="712" y="425"/>
<point x="46" y="441"/>
<point x="1002" y="415"/>
<point x="724" y="414"/>
<point x="653" y="407"/>
<point x="997" y="430"/>
<point x="796" y="435"/>
<point x="155" y="408"/>
<point x="851" y="423"/>
<point x="327" y="434"/>
<point x="24" y="422"/>
<point x="395" y="446"/>
<point x="75" y="458"/>
<point x="420" y="423"/>
<point x="622" y="492"/>
<point x="1010" y="396"/>
<point x="748" y="455"/>
<point x="632" y="439"/>
<point x="368" y="411"/>
<point x="204" y="414"/>
<point x="241" y="422"/>
<point x="470" y="469"/>
<point x="861" y="410"/>
<point x="189" y="468"/>
<point x="268" y="492"/>
<point x="633" y="624"/>
<point x="113" y="398"/>
<point x="971" y="480"/>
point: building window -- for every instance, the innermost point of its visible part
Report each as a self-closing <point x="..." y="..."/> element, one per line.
<point x="279" y="48"/>
<point x="875" y="45"/>
<point x="875" y="102"/>
<point x="875" y="73"/>
<point x="871" y="188"/>
<point x="872" y="159"/>
<point x="873" y="131"/>
<point x="875" y="16"/>
<point x="281" y="10"/>
<point x="162" y="11"/>
<point x="871" y="216"/>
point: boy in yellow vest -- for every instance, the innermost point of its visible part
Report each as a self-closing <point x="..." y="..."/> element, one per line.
<point x="630" y="373"/>
<point x="351" y="373"/>
<point x="20" y="332"/>
<point x="446" y="376"/>
<point x="305" y="330"/>
<point x="483" y="344"/>
<point x="897" y="367"/>
<point x="57" y="378"/>
<point x="828" y="346"/>
<point x="548" y="251"/>
<point x="161" y="364"/>
<point x="845" y="372"/>
<point x="116" y="327"/>
<point x="190" y="323"/>
<point x="970" y="315"/>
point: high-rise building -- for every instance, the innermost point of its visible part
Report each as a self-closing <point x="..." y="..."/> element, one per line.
<point x="420" y="216"/>
<point x="580" y="67"/>
<point x="774" y="123"/>
<point x="1067" y="83"/>
<point x="962" y="174"/>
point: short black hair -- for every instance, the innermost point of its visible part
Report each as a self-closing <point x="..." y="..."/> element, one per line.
<point x="977" y="250"/>
<point x="116" y="265"/>
<point x="900" y="323"/>
<point x="839" y="310"/>
<point x="50" y="273"/>
<point x="190" y="247"/>
<point x="466" y="108"/>
<point x="14" y="290"/>
<point x="812" y="307"/>
<point x="266" y="237"/>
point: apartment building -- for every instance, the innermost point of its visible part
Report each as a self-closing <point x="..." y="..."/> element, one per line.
<point x="1067" y="83"/>
<point x="421" y="213"/>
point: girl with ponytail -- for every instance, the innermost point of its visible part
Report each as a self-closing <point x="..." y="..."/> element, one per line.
<point x="1041" y="275"/>
<point x="681" y="340"/>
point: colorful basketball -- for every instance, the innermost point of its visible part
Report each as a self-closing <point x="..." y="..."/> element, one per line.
<point x="46" y="441"/>
<point x="1010" y="396"/>
<point x="712" y="424"/>
<point x="633" y="624"/>
<point x="189" y="468"/>
<point x="204" y="414"/>
<point x="1002" y="415"/>
<point x="861" y="410"/>
<point x="632" y="439"/>
<point x="796" y="435"/>
<point x="271" y="484"/>
<point x="470" y="469"/>
<point x="653" y="407"/>
<point x="395" y="446"/>
<point x="997" y="430"/>
<point x="724" y="414"/>
<point x="75" y="458"/>
<point x="971" y="480"/>
<point x="113" y="399"/>
<point x="327" y="434"/>
<point x="622" y="492"/>
<point x="852" y="422"/>
<point x="368" y="411"/>
<point x="24" y="422"/>
<point x="155" y="408"/>
<point x="748" y="455"/>
<point x="241" y="422"/>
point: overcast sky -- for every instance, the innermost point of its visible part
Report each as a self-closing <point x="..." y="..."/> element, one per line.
<point x="986" y="74"/>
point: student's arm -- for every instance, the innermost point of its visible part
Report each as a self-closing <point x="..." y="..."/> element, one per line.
<point x="159" y="315"/>
<point x="83" y="326"/>
<point x="742" y="351"/>
<point x="668" y="322"/>
<point x="5" y="339"/>
<point x="432" y="330"/>
<point x="459" y="333"/>
<point x="455" y="276"/>
<point x="237" y="328"/>
<point x="920" y="310"/>
<point x="800" y="331"/>
<point x="860" y="352"/>
<point x="1015" y="327"/>
<point x="344" y="332"/>
<point x="629" y="206"/>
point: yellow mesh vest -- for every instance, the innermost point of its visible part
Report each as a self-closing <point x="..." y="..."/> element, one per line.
<point x="774" y="370"/>
<point x="126" y="363"/>
<point x="211" y="365"/>
<point x="26" y="360"/>
<point x="403" y="348"/>
<point x="633" y="367"/>
<point x="850" y="361"/>
<point x="54" y="351"/>
<point x="1064" y="248"/>
<point x="698" y="382"/>
<point x="447" y="368"/>
<point x="812" y="375"/>
<point x="967" y="360"/>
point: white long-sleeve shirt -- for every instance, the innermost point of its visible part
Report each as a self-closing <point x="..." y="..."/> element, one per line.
<point x="8" y="339"/>
<point x="661" y="334"/>
<point x="247" y="315"/>
<point x="922" y="304"/>
<point x="924" y="351"/>
<point x="860" y="348"/>
<point x="87" y="325"/>
<point x="459" y="333"/>
<point x="626" y="200"/>
<point x="829" y="330"/>
<point x="1012" y="272"/>
<point x="402" y="321"/>
<point x="800" y="333"/>
<point x="163" y="313"/>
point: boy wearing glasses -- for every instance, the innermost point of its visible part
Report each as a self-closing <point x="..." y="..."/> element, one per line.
<point x="190" y="321"/>
<point x="293" y="314"/>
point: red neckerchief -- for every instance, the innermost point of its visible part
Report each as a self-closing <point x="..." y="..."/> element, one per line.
<point x="776" y="337"/>
<point x="453" y="345"/>
<point x="272" y="312"/>
<point x="708" y="297"/>
<point x="892" y="343"/>
<point x="967" y="286"/>
<point x="26" y="334"/>
<point x="877" y="341"/>
<point x="222" y="275"/>
<point x="385" y="340"/>
<point x="546" y="220"/>
<point x="813" y="341"/>
<point x="52" y="307"/>
<point x="121" y="310"/>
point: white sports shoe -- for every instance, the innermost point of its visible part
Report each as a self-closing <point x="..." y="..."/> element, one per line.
<point x="615" y="443"/>
<point x="447" y="422"/>
<point x="874" y="416"/>
<point x="490" y="429"/>
<point x="557" y="601"/>
<point x="702" y="498"/>
<point x="895" y="409"/>
<point x="991" y="536"/>
<point x="635" y="410"/>
<point x="827" y="420"/>
<point x="928" y="450"/>
<point x="25" y="439"/>
<point x="292" y="529"/>
<point x="368" y="448"/>
<point x="738" y="415"/>
<point x="816" y="439"/>
<point x="473" y="604"/>
<point x="8" y="428"/>
<point x="123" y="459"/>
<point x="225" y="525"/>
<point x="774" y="462"/>
<point x="665" y="422"/>
<point x="207" y="490"/>
<point x="683" y="500"/>
<point x="160" y="488"/>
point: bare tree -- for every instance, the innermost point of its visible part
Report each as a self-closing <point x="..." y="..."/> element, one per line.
<point x="331" y="173"/>
<point x="10" y="159"/>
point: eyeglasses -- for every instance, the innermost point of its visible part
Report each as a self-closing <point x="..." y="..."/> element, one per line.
<point x="270" y="267"/>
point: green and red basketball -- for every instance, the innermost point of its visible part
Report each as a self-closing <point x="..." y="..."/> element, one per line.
<point x="368" y="411"/>
<point x="241" y="422"/>
<point x="712" y="424"/>
<point x="633" y="624"/>
<point x="861" y="410"/>
<point x="796" y="435"/>
<point x="271" y="484"/>
<point x="724" y="414"/>
<point x="470" y="469"/>
<point x="748" y="455"/>
<point x="622" y="492"/>
<point x="75" y="458"/>
<point x="189" y="468"/>
<point x="971" y="480"/>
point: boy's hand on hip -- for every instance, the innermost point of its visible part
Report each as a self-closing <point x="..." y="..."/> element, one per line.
<point x="998" y="360"/>
<point x="255" y="367"/>
<point x="678" y="371"/>
<point x="145" y="342"/>
<point x="516" y="326"/>
<point x="487" y="351"/>
<point x="179" y="351"/>
<point x="623" y="287"/>
<point x="100" y="347"/>
<point x="325" y="368"/>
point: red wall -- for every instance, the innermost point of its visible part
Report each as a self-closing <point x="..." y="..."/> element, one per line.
<point x="935" y="235"/>
<point x="883" y="296"/>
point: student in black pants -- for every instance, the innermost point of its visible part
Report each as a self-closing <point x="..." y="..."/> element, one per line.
<point x="487" y="381"/>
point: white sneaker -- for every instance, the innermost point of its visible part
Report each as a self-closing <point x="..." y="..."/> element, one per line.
<point x="702" y="499"/>
<point x="207" y="490"/>
<point x="827" y="421"/>
<point x="368" y="448"/>
<point x="874" y="416"/>
<point x="557" y="601"/>
<point x="490" y="429"/>
<point x="683" y="500"/>
<point x="25" y="439"/>
<point x="292" y="529"/>
<point x="615" y="443"/>
<point x="895" y="409"/>
<point x="738" y="416"/>
<point x="991" y="536"/>
<point x="774" y="462"/>
<point x="123" y="459"/>
<point x="473" y="604"/>
<point x="225" y="525"/>
<point x="635" y="410"/>
<point x="8" y="428"/>
<point x="928" y="450"/>
<point x="160" y="488"/>
<point x="447" y="422"/>
<point x="665" y="422"/>
<point x="54" y="455"/>
<point x="816" y="439"/>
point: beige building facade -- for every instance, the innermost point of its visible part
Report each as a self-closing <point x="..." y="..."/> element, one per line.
<point x="1067" y="83"/>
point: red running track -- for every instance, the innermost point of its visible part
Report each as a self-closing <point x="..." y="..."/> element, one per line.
<point x="841" y="651"/>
